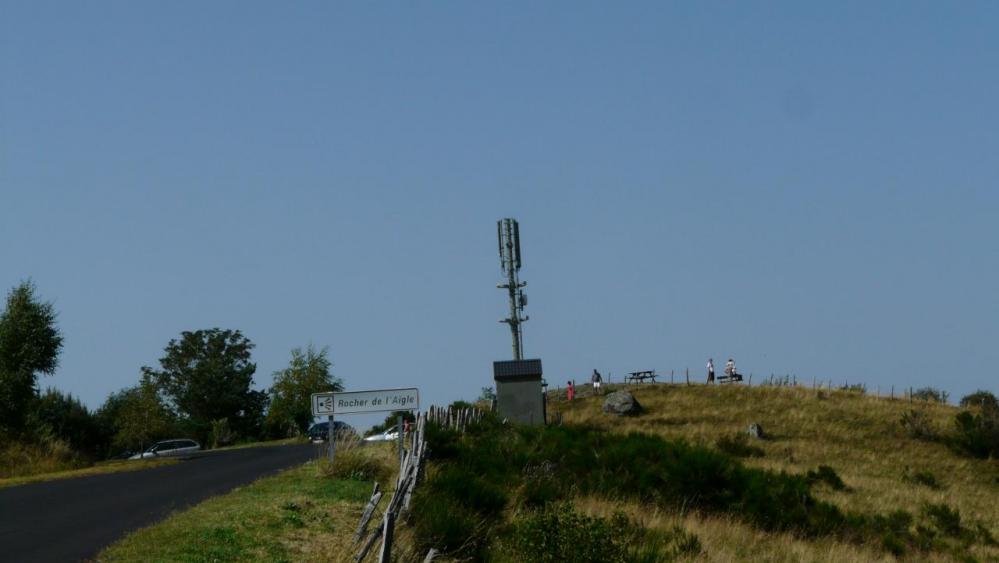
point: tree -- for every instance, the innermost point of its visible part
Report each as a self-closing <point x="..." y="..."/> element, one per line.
<point x="308" y="372"/>
<point x="29" y="344"/>
<point x="63" y="416"/>
<point x="206" y="375"/>
<point x="136" y="417"/>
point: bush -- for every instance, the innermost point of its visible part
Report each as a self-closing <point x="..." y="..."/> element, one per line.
<point x="918" y="425"/>
<point x="739" y="446"/>
<point x="221" y="433"/>
<point x="827" y="475"/>
<point x="61" y="416"/>
<point x="981" y="399"/>
<point x="977" y="434"/>
<point x="448" y="526"/>
<point x="854" y="388"/>
<point x="48" y="454"/>
<point x="362" y="464"/>
<point x="945" y="519"/>
<point x="930" y="394"/>
<point x="558" y="533"/>
<point x="925" y="478"/>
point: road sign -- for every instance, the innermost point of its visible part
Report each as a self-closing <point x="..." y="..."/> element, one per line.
<point x="354" y="402"/>
<point x="322" y="404"/>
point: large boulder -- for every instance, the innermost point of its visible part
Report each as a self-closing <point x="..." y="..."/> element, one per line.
<point x="621" y="403"/>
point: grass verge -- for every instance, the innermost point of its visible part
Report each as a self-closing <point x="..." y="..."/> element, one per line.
<point x="301" y="514"/>
<point x="101" y="468"/>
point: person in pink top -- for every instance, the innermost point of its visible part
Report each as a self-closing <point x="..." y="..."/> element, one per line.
<point x="571" y="391"/>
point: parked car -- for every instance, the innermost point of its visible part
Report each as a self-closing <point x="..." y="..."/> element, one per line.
<point x="169" y="448"/>
<point x="386" y="436"/>
<point x="320" y="431"/>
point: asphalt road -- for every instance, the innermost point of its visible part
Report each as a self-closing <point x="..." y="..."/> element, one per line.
<point x="73" y="519"/>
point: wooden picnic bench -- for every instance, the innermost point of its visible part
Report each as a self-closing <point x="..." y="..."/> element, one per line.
<point x="640" y="376"/>
<point x="725" y="378"/>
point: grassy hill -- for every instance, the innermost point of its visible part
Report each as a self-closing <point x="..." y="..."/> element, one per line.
<point x="838" y="477"/>
<point x="858" y="435"/>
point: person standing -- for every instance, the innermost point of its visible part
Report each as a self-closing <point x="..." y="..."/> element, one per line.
<point x="596" y="379"/>
<point x="730" y="368"/>
<point x="711" y="370"/>
<point x="570" y="390"/>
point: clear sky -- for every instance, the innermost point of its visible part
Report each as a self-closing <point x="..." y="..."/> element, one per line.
<point x="810" y="189"/>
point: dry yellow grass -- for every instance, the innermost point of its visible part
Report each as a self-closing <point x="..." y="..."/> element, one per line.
<point x="858" y="435"/>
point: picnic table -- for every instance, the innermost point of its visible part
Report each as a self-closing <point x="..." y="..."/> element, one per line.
<point x="640" y="376"/>
<point x="729" y="378"/>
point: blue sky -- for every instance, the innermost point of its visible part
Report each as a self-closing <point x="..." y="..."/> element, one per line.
<point x="809" y="189"/>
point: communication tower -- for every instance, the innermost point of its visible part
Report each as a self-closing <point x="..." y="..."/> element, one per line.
<point x="508" y="236"/>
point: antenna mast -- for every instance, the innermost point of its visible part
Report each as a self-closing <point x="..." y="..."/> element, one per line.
<point x="508" y="236"/>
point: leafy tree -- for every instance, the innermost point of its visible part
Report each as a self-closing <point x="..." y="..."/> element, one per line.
<point x="29" y="344"/>
<point x="136" y="416"/>
<point x="63" y="416"/>
<point x="981" y="399"/>
<point x="930" y="394"/>
<point x="308" y="372"/>
<point x="206" y="375"/>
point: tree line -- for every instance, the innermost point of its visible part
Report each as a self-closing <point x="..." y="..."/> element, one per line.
<point x="202" y="388"/>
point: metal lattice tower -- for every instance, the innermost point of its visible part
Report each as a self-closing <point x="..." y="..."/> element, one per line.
<point x="508" y="236"/>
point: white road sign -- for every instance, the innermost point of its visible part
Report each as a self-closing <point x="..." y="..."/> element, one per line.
<point x="322" y="404"/>
<point x="353" y="402"/>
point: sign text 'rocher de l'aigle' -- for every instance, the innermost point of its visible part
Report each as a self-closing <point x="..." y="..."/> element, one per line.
<point x="365" y="401"/>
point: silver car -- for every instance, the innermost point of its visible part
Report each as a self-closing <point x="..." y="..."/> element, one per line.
<point x="386" y="436"/>
<point x="169" y="448"/>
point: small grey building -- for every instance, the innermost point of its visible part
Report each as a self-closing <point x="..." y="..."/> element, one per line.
<point x="519" y="395"/>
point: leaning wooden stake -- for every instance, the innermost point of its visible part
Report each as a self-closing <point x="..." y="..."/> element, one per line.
<point x="369" y="510"/>
<point x="386" y="554"/>
<point x="377" y="533"/>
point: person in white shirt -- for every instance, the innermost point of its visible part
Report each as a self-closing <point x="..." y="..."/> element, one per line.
<point x="711" y="370"/>
<point x="730" y="368"/>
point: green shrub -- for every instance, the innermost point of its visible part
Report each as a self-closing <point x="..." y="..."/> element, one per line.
<point x="221" y="433"/>
<point x="447" y="525"/>
<point x="854" y="388"/>
<point x="559" y="534"/>
<point x="930" y="394"/>
<point x="981" y="399"/>
<point x="827" y="475"/>
<point x="945" y="519"/>
<point x="925" y="478"/>
<point x="738" y="446"/>
<point x="977" y="434"/>
<point x="356" y="463"/>
<point x="918" y="425"/>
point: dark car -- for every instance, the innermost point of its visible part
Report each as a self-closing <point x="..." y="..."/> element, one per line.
<point x="320" y="432"/>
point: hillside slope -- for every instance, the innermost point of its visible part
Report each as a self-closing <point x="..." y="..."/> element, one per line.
<point x="859" y="436"/>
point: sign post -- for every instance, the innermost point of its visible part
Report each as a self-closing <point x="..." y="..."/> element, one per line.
<point x="358" y="402"/>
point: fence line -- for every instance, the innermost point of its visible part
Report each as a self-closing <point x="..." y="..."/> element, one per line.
<point x="411" y="472"/>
